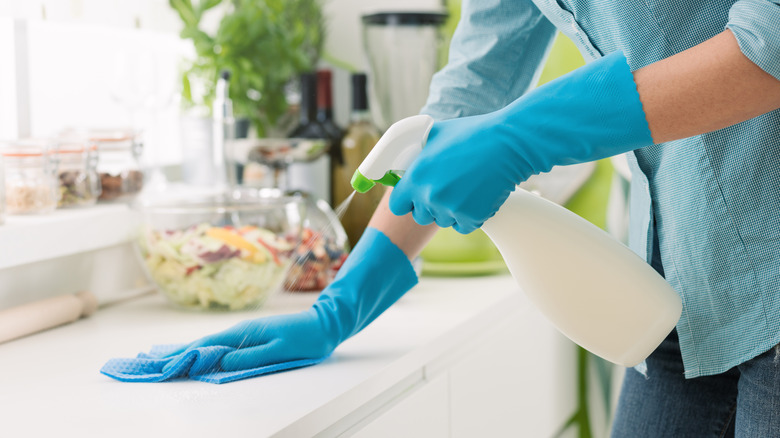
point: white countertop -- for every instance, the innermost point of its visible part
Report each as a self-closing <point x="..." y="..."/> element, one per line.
<point x="50" y="383"/>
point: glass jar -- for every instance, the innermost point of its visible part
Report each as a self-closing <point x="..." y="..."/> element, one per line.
<point x="119" y="152"/>
<point x="77" y="177"/>
<point x="30" y="185"/>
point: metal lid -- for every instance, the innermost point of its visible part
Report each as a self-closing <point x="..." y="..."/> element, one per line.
<point x="26" y="148"/>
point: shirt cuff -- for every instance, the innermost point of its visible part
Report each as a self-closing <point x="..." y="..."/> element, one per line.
<point x="756" y="26"/>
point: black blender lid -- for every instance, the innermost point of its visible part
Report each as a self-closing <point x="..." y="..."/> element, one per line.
<point x="405" y="18"/>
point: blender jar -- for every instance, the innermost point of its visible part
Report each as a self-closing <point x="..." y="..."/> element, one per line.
<point x="77" y="177"/>
<point x="121" y="176"/>
<point x="404" y="51"/>
<point x="30" y="186"/>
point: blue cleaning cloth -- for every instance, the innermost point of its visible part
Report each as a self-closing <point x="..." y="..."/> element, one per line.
<point x="375" y="275"/>
<point x="197" y="364"/>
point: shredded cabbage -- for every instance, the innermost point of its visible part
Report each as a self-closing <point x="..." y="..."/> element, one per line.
<point x="218" y="268"/>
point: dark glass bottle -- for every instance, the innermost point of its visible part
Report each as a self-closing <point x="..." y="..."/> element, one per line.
<point x="314" y="176"/>
<point x="325" y="106"/>
<point x="360" y="137"/>
<point x="325" y="118"/>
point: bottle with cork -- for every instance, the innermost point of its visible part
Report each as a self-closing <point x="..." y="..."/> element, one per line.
<point x="314" y="176"/>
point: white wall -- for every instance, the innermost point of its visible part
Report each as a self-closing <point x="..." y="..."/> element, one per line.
<point x="146" y="14"/>
<point x="77" y="54"/>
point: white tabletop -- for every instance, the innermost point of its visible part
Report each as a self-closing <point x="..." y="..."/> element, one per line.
<point x="50" y="383"/>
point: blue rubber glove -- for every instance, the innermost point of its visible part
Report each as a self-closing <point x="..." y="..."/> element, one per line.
<point x="470" y="165"/>
<point x="374" y="276"/>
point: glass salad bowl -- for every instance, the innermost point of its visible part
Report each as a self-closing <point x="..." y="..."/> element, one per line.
<point x="323" y="249"/>
<point x="221" y="252"/>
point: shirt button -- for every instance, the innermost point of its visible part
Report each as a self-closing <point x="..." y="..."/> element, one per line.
<point x="574" y="27"/>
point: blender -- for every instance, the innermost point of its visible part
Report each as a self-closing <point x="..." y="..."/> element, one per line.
<point x="404" y="51"/>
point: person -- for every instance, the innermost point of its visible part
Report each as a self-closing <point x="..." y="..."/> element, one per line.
<point x="690" y="91"/>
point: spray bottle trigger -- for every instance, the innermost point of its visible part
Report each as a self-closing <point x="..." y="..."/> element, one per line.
<point x="390" y="178"/>
<point x="362" y="183"/>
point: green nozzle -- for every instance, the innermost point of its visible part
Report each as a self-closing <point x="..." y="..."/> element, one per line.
<point x="362" y="184"/>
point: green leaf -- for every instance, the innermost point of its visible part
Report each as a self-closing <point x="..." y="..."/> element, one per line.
<point x="186" y="88"/>
<point x="205" y="5"/>
<point x="264" y="43"/>
<point x="186" y="11"/>
<point x="572" y="421"/>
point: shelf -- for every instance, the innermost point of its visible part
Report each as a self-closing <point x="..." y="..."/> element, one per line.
<point x="28" y="239"/>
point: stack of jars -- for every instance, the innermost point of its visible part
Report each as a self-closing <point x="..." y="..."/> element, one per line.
<point x="74" y="170"/>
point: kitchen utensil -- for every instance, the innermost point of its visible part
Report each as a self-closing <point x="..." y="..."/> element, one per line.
<point x="37" y="316"/>
<point x="450" y="253"/>
<point x="594" y="289"/>
<point x="403" y="51"/>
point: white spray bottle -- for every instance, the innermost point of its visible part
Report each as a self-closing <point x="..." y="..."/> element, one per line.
<point x="593" y="288"/>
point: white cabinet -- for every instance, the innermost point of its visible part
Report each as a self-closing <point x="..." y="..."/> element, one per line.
<point x="68" y="251"/>
<point x="514" y="382"/>
<point x="421" y="412"/>
<point x="515" y="379"/>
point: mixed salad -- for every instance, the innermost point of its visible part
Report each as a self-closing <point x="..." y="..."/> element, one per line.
<point x="317" y="260"/>
<point x="213" y="267"/>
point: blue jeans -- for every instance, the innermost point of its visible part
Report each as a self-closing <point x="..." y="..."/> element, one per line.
<point x="742" y="402"/>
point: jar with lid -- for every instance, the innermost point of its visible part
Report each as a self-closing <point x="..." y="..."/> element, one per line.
<point x="77" y="176"/>
<point x="30" y="186"/>
<point x="119" y="152"/>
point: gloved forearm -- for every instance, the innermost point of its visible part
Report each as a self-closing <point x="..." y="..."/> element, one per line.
<point x="376" y="274"/>
<point x="470" y="165"/>
<point x="591" y="113"/>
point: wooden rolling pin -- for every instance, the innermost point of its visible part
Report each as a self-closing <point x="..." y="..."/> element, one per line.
<point x="44" y="314"/>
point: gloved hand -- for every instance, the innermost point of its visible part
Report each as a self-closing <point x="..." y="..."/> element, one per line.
<point x="375" y="275"/>
<point x="470" y="165"/>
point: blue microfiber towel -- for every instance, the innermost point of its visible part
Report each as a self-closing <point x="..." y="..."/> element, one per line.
<point x="197" y="364"/>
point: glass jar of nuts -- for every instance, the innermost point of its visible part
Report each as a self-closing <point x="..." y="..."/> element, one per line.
<point x="30" y="186"/>
<point x="77" y="176"/>
<point x="118" y="167"/>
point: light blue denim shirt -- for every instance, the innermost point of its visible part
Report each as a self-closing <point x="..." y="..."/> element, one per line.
<point x="713" y="199"/>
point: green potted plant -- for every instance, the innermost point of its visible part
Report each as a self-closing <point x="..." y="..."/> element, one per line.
<point x="263" y="43"/>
